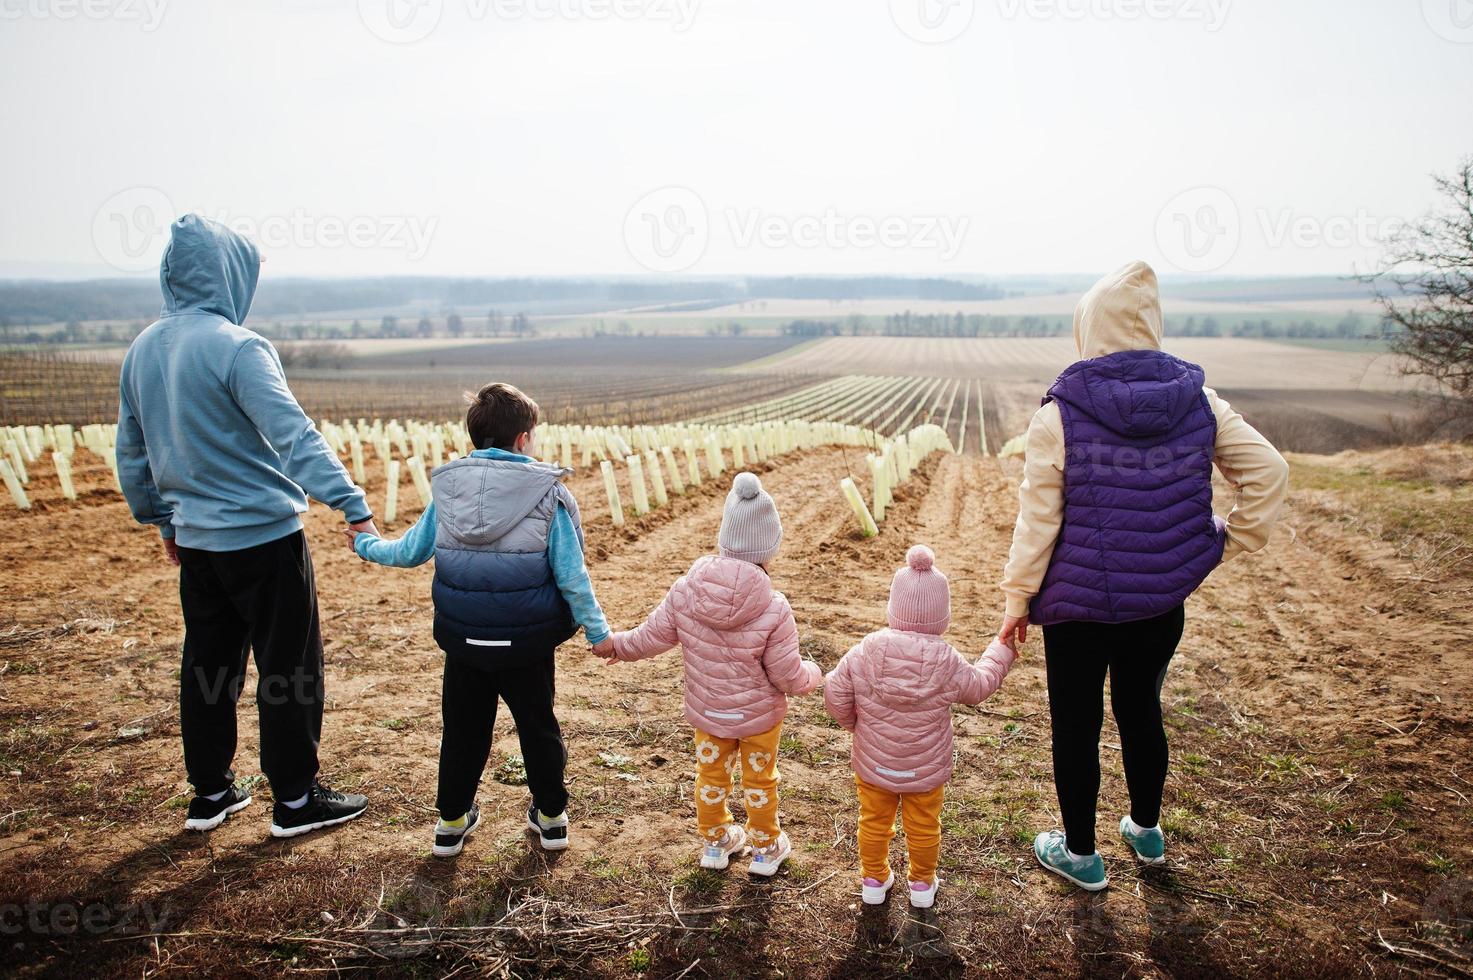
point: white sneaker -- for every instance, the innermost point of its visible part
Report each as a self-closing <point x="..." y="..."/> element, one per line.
<point x="767" y="860"/>
<point x="922" y="895"/>
<point x="872" y="892"/>
<point x="718" y="855"/>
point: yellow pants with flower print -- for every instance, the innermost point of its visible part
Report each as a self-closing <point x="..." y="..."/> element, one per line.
<point x="717" y="762"/>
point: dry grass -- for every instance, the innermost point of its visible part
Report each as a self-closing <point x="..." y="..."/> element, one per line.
<point x="1417" y="499"/>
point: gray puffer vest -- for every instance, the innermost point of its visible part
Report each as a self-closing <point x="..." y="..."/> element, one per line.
<point x="496" y="600"/>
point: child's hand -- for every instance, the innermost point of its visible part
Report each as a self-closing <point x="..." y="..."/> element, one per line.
<point x="353" y="531"/>
<point x="1014" y="632"/>
<point x="606" y="650"/>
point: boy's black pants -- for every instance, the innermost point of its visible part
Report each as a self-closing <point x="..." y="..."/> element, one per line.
<point x="261" y="599"/>
<point x="468" y="707"/>
<point x="1077" y="657"/>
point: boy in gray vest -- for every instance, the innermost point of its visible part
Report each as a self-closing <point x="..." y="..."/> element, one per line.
<point x="510" y="586"/>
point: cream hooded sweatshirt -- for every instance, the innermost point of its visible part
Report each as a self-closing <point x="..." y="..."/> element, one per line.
<point x="1123" y="312"/>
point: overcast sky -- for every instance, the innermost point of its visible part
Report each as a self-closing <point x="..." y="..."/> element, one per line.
<point x="937" y="137"/>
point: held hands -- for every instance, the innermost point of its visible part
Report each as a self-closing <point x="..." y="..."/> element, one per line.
<point x="605" y="650"/>
<point x="1014" y="632"/>
<point x="352" y="531"/>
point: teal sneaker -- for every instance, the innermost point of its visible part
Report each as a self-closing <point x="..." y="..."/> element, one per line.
<point x="1149" y="845"/>
<point x="1051" y="851"/>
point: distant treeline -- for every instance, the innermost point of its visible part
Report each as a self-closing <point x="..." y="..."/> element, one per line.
<point x="1350" y="326"/>
<point x="870" y="287"/>
<point x="494" y="324"/>
<point x="25" y="303"/>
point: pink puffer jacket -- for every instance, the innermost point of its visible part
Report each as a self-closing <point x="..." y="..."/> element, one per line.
<point x="740" y="643"/>
<point x="894" y="691"/>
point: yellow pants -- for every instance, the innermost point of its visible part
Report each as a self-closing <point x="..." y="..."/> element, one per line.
<point x="920" y="815"/>
<point x="717" y="762"/>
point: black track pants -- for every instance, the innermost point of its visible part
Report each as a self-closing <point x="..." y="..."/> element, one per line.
<point x="261" y="600"/>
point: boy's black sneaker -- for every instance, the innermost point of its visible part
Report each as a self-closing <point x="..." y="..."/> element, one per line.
<point x="450" y="841"/>
<point x="324" y="808"/>
<point x="551" y="831"/>
<point x="208" y="814"/>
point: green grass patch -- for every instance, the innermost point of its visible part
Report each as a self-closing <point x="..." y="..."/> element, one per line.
<point x="702" y="883"/>
<point x="1279" y="767"/>
<point x="512" y="771"/>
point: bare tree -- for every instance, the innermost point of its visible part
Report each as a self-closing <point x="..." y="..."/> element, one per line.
<point x="1425" y="289"/>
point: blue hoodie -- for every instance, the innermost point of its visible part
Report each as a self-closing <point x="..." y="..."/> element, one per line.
<point x="212" y="447"/>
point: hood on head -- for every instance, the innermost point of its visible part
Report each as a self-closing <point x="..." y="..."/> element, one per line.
<point x="1120" y="312"/>
<point x="208" y="268"/>
<point x="518" y="489"/>
<point x="727" y="593"/>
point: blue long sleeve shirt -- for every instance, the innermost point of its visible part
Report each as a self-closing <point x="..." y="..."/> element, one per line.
<point x="564" y="554"/>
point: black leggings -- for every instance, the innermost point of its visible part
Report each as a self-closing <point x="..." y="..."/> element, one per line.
<point x="1136" y="656"/>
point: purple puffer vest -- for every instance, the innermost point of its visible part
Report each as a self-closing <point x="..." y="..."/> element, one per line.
<point x="1138" y="535"/>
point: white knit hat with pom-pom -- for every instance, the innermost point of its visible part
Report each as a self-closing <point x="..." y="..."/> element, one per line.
<point x="750" y="527"/>
<point x="920" y="597"/>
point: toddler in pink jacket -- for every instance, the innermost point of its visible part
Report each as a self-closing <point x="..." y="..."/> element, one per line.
<point x="741" y="662"/>
<point x="894" y="691"/>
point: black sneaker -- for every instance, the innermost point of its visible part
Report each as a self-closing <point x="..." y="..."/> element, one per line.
<point x="208" y="814"/>
<point x="449" y="841"/>
<point x="551" y="831"/>
<point x="324" y="808"/>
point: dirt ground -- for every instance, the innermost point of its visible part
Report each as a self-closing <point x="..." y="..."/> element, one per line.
<point x="1318" y="811"/>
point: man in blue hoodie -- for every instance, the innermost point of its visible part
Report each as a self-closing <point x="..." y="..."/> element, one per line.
<point x="214" y="450"/>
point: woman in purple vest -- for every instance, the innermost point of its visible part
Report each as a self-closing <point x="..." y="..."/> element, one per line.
<point x="1115" y="529"/>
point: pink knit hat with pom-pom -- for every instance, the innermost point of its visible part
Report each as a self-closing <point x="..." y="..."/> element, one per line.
<point x="920" y="598"/>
